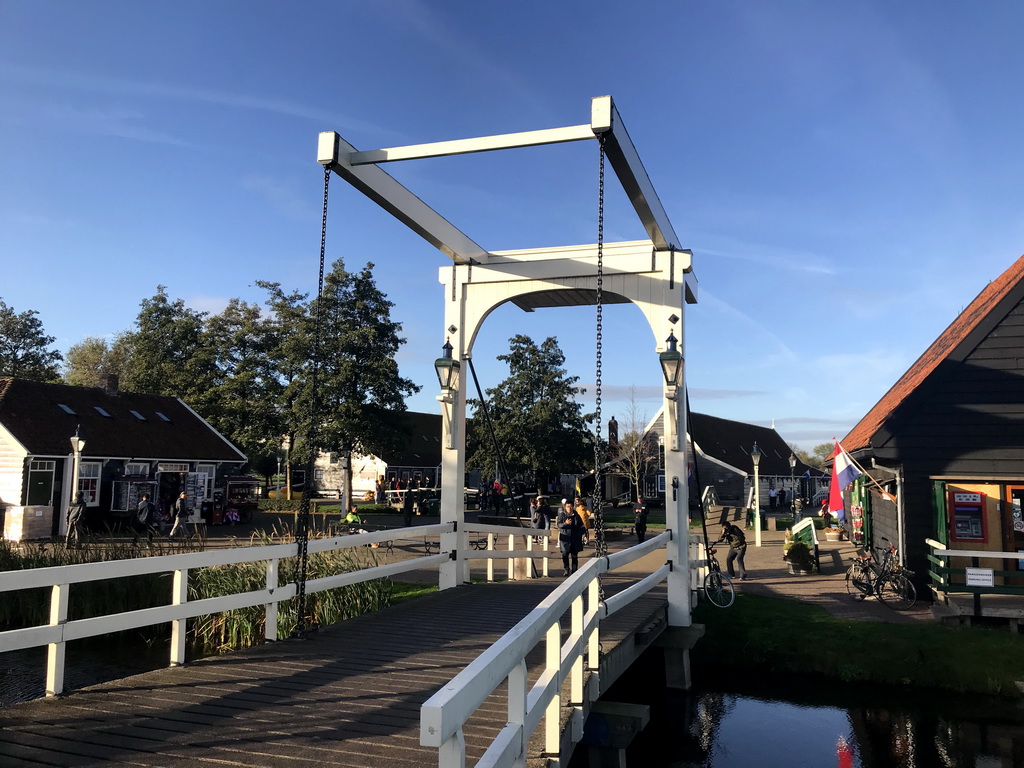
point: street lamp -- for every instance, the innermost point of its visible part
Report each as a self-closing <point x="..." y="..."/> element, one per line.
<point x="792" y="482"/>
<point x="448" y="370"/>
<point x="77" y="446"/>
<point x="672" y="368"/>
<point x="755" y="456"/>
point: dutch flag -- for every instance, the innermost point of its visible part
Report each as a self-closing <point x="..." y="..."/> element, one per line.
<point x="844" y="472"/>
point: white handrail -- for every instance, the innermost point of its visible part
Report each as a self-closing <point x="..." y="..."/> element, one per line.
<point x="443" y="716"/>
<point x="59" y="579"/>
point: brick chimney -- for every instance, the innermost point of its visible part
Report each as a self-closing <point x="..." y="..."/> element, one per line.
<point x="108" y="381"/>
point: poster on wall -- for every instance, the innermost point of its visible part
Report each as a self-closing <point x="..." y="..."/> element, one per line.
<point x="857" y="517"/>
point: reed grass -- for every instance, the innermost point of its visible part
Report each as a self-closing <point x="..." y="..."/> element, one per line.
<point x="245" y="627"/>
<point x="31" y="607"/>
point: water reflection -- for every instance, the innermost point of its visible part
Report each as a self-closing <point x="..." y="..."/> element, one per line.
<point x="728" y="723"/>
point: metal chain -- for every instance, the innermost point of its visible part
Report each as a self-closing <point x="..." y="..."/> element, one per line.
<point x="601" y="545"/>
<point x="302" y="524"/>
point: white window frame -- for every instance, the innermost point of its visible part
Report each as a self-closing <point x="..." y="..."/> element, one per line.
<point x="211" y="474"/>
<point x="89" y="475"/>
<point x="134" y="467"/>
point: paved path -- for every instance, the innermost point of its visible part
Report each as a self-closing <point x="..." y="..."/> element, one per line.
<point x="769" y="575"/>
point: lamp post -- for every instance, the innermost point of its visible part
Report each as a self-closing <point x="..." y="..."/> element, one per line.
<point x="792" y="483"/>
<point x="672" y="368"/>
<point x="755" y="456"/>
<point x="448" y="370"/>
<point x="77" y="446"/>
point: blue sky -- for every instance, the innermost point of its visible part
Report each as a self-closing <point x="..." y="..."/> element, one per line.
<point x="846" y="174"/>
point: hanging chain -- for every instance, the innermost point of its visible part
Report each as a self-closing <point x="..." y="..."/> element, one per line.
<point x="302" y="524"/>
<point x="601" y="545"/>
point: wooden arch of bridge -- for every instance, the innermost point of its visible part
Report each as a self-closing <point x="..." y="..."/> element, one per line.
<point x="654" y="274"/>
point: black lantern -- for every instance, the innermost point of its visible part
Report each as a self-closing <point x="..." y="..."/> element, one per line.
<point x="755" y="455"/>
<point x="447" y="369"/>
<point x="672" y="362"/>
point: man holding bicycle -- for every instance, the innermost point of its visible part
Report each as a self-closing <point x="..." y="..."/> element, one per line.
<point x="737" y="548"/>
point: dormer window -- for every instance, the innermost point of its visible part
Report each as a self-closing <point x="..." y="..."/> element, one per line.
<point x="137" y="415"/>
<point x="67" y="409"/>
<point x="162" y="416"/>
<point x="102" y="412"/>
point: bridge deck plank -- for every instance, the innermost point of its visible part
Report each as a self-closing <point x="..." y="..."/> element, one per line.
<point x="348" y="695"/>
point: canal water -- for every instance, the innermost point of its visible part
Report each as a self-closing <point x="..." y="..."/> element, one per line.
<point x="766" y="722"/>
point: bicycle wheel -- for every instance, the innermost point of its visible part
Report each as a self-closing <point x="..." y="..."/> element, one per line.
<point x="718" y="588"/>
<point x="858" y="580"/>
<point x="897" y="592"/>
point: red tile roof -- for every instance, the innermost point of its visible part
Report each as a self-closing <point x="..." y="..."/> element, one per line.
<point x="948" y="341"/>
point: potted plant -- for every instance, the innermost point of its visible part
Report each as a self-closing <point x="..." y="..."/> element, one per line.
<point x="833" y="533"/>
<point x="800" y="559"/>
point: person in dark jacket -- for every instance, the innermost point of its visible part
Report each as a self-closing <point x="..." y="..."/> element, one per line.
<point x="640" y="519"/>
<point x="570" y="537"/>
<point x="737" y="548"/>
<point x="76" y="518"/>
<point x="145" y="515"/>
<point x="181" y="514"/>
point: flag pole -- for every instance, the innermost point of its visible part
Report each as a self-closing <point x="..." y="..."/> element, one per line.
<point x="864" y="472"/>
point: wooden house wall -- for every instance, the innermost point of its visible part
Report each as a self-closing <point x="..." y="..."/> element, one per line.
<point x="968" y="418"/>
<point x="12" y="476"/>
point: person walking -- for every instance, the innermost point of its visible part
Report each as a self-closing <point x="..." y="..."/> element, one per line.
<point x="75" y="521"/>
<point x="407" y="510"/>
<point x="585" y="516"/>
<point x="570" y="537"/>
<point x="737" y="548"/>
<point x="640" y="519"/>
<point x="145" y="514"/>
<point x="181" y="512"/>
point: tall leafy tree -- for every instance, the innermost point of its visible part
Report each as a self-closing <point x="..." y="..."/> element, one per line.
<point x="25" y="348"/>
<point x="539" y="426"/>
<point x="361" y="393"/>
<point x="166" y="353"/>
<point x="242" y="400"/>
<point x="89" y="359"/>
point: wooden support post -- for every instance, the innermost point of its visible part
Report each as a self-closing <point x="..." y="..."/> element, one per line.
<point x="55" y="651"/>
<point x="179" y="596"/>
<point x="270" y="628"/>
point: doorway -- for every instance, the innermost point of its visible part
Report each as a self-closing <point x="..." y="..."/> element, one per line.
<point x="40" y="483"/>
<point x="1013" y="522"/>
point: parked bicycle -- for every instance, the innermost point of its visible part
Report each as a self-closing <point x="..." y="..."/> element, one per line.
<point x="717" y="585"/>
<point x="884" y="578"/>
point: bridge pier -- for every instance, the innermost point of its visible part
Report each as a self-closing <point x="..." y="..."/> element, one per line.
<point x="677" y="642"/>
<point x="610" y="729"/>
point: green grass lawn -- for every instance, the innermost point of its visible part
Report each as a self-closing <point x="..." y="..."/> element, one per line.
<point x="788" y="636"/>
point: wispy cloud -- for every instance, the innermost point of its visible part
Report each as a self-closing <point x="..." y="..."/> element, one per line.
<point x="81" y="81"/>
<point x="281" y="195"/>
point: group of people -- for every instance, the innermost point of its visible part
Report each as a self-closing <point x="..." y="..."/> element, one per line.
<point x="145" y="521"/>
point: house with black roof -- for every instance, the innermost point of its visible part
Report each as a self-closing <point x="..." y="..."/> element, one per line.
<point x="946" y="442"/>
<point x="723" y="460"/>
<point x="133" y="443"/>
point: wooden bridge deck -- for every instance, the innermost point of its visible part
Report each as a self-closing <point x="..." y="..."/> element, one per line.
<point x="349" y="695"/>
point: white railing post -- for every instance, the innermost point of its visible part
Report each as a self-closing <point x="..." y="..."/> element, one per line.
<point x="490" y="560"/>
<point x="544" y="561"/>
<point x="55" y="651"/>
<point x="552" y="715"/>
<point x="576" y="671"/>
<point x="529" y="560"/>
<point x="594" y="644"/>
<point x="179" y="596"/>
<point x="270" y="622"/>
<point x="517" y="690"/>
<point x="452" y="754"/>
<point x="511" y="560"/>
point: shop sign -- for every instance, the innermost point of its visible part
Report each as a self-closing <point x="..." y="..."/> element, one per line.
<point x="980" y="577"/>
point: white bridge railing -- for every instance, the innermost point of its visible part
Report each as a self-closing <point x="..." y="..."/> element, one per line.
<point x="443" y="716"/>
<point x="60" y="579"/>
